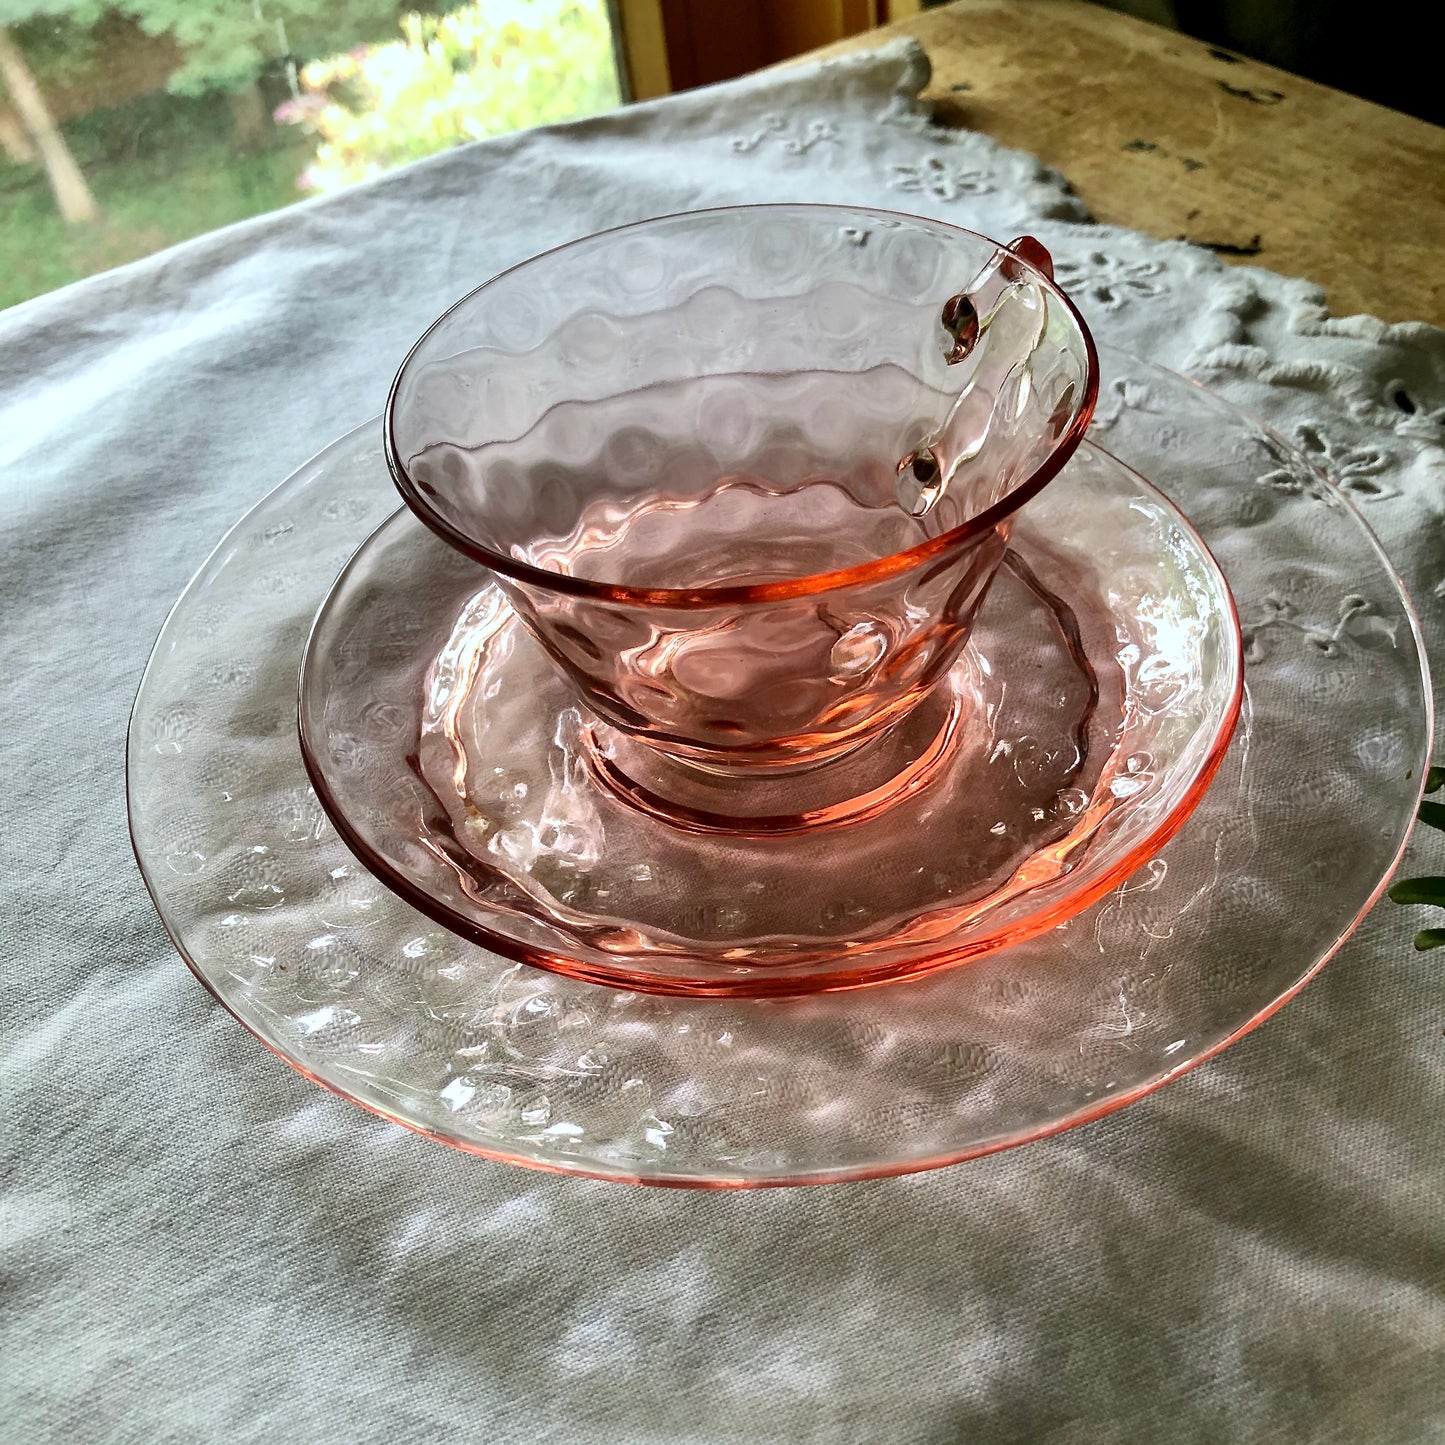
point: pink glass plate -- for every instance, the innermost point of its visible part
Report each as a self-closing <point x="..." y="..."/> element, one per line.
<point x="362" y="993"/>
<point x="1067" y="744"/>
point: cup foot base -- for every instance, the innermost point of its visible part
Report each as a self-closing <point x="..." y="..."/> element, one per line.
<point x="863" y="783"/>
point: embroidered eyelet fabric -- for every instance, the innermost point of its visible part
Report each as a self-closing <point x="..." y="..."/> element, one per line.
<point x="197" y="1244"/>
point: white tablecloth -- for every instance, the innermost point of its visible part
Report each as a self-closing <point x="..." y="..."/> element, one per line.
<point x="196" y="1244"/>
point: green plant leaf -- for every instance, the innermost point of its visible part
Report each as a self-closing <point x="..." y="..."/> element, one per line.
<point x="1430" y="938"/>
<point x="1419" y="890"/>
<point x="1435" y="780"/>
<point x="1433" y="814"/>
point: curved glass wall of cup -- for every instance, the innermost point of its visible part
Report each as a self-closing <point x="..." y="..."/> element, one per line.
<point x="747" y="474"/>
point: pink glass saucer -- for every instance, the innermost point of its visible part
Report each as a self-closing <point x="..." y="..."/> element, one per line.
<point x="367" y="996"/>
<point x="1069" y="742"/>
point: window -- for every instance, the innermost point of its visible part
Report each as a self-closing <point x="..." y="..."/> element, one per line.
<point x="128" y="125"/>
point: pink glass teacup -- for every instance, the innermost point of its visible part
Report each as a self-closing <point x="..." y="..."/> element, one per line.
<point x="747" y="474"/>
